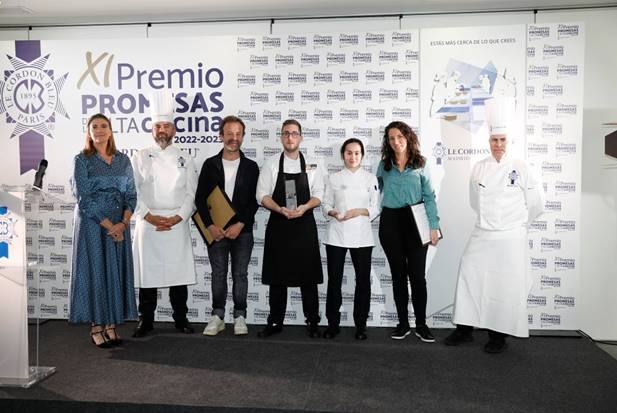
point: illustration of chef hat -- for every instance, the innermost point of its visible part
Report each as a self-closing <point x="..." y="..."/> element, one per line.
<point x="162" y="106"/>
<point x="500" y="115"/>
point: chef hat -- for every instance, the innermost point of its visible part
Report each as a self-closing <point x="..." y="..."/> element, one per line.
<point x="162" y="106"/>
<point x="500" y="115"/>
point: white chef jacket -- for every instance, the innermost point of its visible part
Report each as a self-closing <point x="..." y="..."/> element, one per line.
<point x="505" y="195"/>
<point x="493" y="282"/>
<point x="347" y="190"/>
<point x="166" y="181"/>
<point x="270" y="169"/>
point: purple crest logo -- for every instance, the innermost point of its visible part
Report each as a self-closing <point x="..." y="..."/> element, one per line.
<point x="30" y="98"/>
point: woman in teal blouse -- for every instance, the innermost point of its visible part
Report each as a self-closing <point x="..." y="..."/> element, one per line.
<point x="404" y="180"/>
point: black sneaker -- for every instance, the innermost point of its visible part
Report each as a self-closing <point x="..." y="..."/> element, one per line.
<point x="458" y="337"/>
<point x="184" y="327"/>
<point x="400" y="332"/>
<point x="269" y="330"/>
<point x="495" y="346"/>
<point x="331" y="332"/>
<point x="312" y="330"/>
<point x="360" y="333"/>
<point x="143" y="328"/>
<point x="424" y="334"/>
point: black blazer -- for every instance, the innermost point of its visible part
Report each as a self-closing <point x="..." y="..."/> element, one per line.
<point x="243" y="202"/>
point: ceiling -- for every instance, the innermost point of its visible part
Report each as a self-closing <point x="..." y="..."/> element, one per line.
<point x="71" y="12"/>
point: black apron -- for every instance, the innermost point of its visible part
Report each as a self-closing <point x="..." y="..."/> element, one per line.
<point x="291" y="247"/>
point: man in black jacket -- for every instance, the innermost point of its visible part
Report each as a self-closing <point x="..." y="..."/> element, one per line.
<point x="236" y="175"/>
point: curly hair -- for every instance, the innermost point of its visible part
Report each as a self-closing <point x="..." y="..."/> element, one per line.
<point x="414" y="157"/>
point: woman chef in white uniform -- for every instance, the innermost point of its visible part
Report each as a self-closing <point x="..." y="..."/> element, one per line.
<point x="351" y="202"/>
<point x="493" y="282"/>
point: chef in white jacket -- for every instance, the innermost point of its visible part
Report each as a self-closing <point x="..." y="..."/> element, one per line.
<point x="166" y="180"/>
<point x="350" y="203"/>
<point x="493" y="281"/>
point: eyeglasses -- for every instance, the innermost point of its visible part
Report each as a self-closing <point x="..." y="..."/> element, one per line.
<point x="293" y="134"/>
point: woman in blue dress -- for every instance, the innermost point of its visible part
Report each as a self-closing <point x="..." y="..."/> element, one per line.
<point x="102" y="292"/>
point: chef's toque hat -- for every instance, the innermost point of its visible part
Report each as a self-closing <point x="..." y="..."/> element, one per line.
<point x="500" y="115"/>
<point x="162" y="106"/>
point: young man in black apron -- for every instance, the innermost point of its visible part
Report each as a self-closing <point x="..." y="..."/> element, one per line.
<point x="290" y="188"/>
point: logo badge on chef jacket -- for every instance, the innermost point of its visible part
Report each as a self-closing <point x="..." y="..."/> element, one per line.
<point x="181" y="162"/>
<point x="512" y="176"/>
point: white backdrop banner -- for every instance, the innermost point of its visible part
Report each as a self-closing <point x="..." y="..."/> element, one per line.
<point x="554" y="129"/>
<point x="337" y="85"/>
<point x="461" y="68"/>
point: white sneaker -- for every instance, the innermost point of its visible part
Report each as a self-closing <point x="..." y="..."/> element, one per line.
<point x="215" y="326"/>
<point x="240" y="327"/>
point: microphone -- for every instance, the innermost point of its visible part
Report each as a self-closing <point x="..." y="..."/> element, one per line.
<point x="38" y="177"/>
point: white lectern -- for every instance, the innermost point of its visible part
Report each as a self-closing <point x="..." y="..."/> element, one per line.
<point x="15" y="369"/>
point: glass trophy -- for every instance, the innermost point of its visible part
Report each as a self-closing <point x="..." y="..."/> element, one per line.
<point x="291" y="200"/>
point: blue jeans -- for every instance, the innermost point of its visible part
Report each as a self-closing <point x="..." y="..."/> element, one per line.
<point x="240" y="250"/>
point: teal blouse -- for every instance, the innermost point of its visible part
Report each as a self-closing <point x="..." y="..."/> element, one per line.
<point x="400" y="189"/>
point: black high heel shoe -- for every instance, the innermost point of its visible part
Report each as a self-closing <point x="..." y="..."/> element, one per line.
<point x="104" y="344"/>
<point x="113" y="341"/>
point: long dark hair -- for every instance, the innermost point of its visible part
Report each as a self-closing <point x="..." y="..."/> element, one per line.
<point x="414" y="158"/>
<point x="89" y="148"/>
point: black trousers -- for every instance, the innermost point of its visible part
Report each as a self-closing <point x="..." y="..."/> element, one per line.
<point x="278" y="303"/>
<point x="407" y="259"/>
<point x="361" y="259"/>
<point x="178" y="294"/>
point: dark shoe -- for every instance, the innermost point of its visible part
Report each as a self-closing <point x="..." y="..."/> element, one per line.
<point x="312" y="329"/>
<point x="184" y="327"/>
<point x="360" y="334"/>
<point x="269" y="330"/>
<point x="143" y="327"/>
<point x="331" y="332"/>
<point x="116" y="340"/>
<point x="400" y="332"/>
<point x="495" y="346"/>
<point x="101" y="344"/>
<point x="424" y="334"/>
<point x="457" y="337"/>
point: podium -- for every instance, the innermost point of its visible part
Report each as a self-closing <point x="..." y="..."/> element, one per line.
<point x="17" y="258"/>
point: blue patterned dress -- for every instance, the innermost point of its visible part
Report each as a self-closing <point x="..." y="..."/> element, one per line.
<point x="102" y="275"/>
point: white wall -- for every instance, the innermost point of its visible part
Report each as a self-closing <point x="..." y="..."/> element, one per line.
<point x="209" y="29"/>
<point x="597" y="305"/>
<point x="14" y="34"/>
<point x="465" y="20"/>
<point x="88" y="32"/>
<point x="335" y="25"/>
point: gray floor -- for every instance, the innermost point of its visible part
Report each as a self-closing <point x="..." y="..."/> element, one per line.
<point x="609" y="348"/>
<point x="293" y="372"/>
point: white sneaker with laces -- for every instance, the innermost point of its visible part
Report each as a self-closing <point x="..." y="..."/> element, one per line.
<point x="215" y="326"/>
<point x="240" y="327"/>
